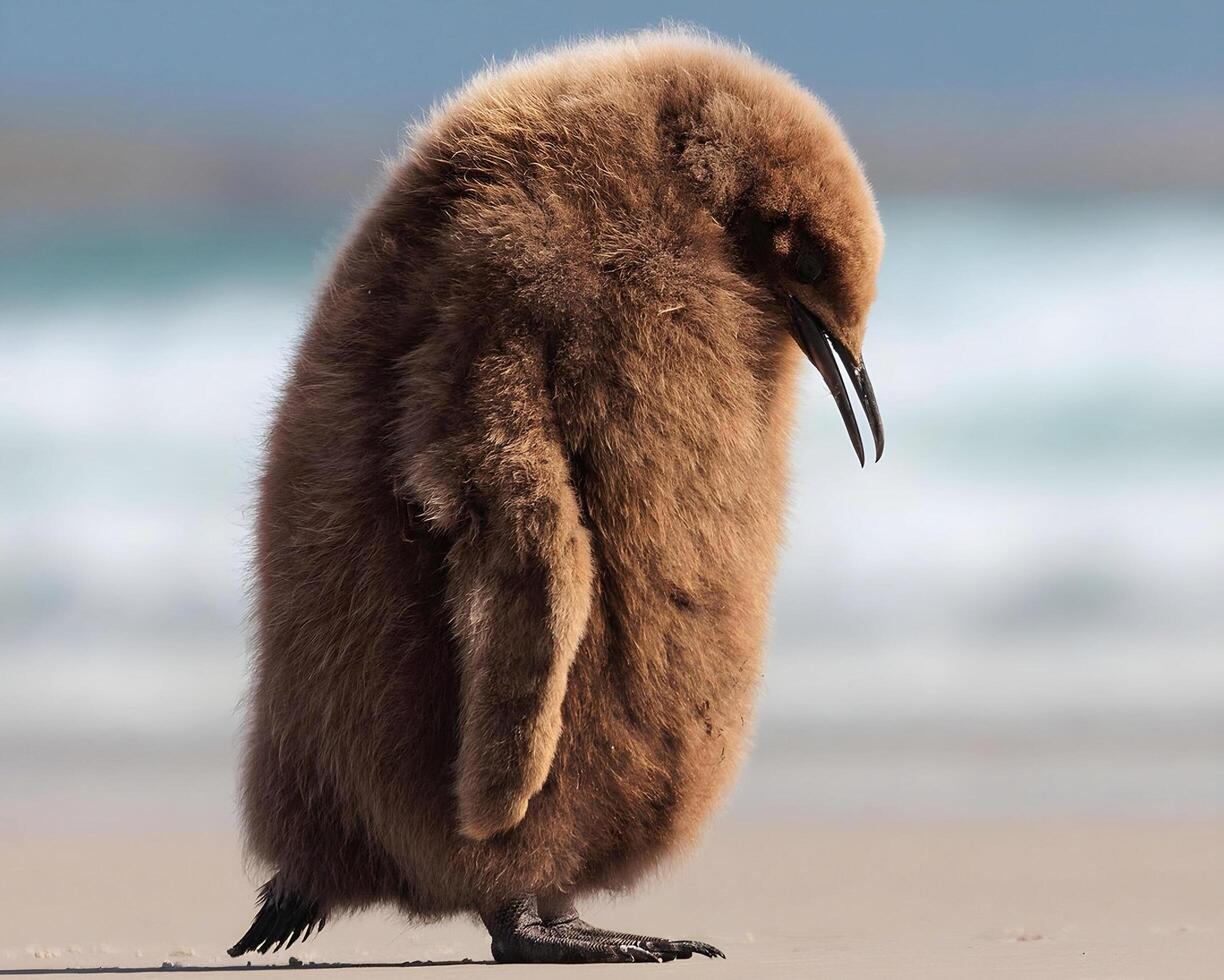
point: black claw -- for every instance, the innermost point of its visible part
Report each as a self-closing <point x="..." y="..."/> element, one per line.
<point x="691" y="946"/>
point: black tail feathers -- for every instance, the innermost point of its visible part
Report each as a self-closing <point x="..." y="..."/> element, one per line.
<point x="284" y="917"/>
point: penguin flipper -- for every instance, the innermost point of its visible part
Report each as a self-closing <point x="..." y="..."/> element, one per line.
<point x="519" y="571"/>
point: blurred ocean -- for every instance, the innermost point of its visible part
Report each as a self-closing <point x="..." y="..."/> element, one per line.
<point x="1033" y="571"/>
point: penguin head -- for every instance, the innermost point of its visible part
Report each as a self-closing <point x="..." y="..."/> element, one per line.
<point x="776" y="171"/>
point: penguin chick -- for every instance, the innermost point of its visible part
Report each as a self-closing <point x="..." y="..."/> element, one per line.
<point x="523" y="494"/>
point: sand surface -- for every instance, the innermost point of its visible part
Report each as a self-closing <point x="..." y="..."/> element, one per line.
<point x="840" y="901"/>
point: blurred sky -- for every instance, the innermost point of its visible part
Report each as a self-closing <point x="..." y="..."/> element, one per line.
<point x="1017" y="611"/>
<point x="252" y="57"/>
<point x="105" y="103"/>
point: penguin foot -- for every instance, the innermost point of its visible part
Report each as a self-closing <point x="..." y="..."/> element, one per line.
<point x="522" y="935"/>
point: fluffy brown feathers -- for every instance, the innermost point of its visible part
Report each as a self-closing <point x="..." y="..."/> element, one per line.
<point x="524" y="490"/>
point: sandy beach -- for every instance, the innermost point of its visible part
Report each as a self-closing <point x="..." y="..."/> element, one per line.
<point x="939" y="900"/>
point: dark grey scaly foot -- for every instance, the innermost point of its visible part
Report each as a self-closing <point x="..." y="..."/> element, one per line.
<point x="522" y="935"/>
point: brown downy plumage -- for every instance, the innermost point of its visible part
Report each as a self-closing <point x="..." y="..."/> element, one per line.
<point x="524" y="491"/>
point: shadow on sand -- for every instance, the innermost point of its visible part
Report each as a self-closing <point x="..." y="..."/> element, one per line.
<point x="234" y="968"/>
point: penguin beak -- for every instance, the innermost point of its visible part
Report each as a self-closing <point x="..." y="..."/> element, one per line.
<point x="818" y="343"/>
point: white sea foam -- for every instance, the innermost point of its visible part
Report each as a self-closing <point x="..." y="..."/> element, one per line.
<point x="1044" y="535"/>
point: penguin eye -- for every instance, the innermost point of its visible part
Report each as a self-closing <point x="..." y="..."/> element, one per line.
<point x="809" y="266"/>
